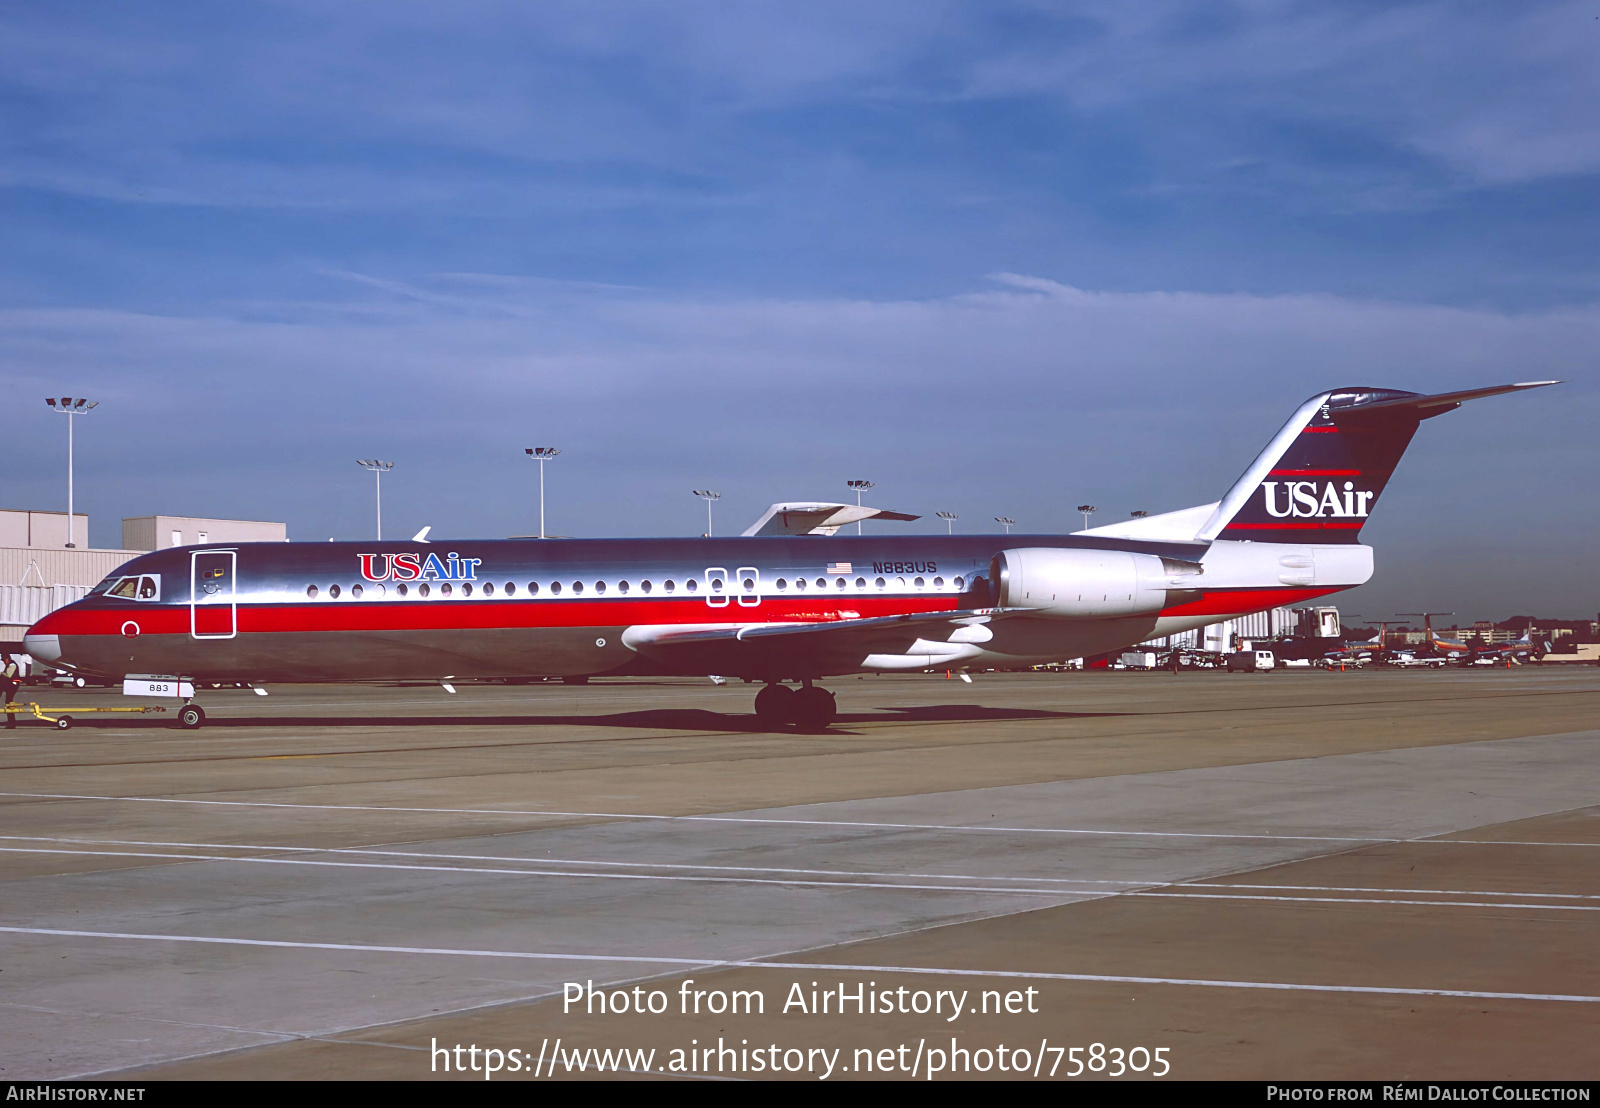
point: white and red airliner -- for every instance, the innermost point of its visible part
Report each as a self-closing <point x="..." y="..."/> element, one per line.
<point x="772" y="609"/>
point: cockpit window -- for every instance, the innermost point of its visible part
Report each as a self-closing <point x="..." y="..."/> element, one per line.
<point x="135" y="588"/>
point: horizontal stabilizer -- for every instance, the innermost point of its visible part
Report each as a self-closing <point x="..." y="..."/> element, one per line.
<point x="1426" y="407"/>
<point x="815" y="518"/>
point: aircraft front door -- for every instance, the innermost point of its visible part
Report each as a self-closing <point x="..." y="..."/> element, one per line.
<point x="213" y="599"/>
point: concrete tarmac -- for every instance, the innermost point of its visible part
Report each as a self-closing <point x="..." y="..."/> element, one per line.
<point x="1301" y="874"/>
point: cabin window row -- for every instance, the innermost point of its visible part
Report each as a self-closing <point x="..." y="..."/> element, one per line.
<point x="598" y="588"/>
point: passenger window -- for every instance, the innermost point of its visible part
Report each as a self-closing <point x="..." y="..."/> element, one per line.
<point x="356" y="591"/>
<point x="577" y="586"/>
<point x="423" y="589"/>
<point x="599" y="587"/>
<point x="645" y="585"/>
<point x="533" y="588"/>
<point x="379" y="589"/>
<point x="956" y="584"/>
<point x="311" y="591"/>
<point x="622" y="586"/>
<point x="402" y="590"/>
<point x="670" y="586"/>
<point x="488" y="588"/>
<point x="900" y="582"/>
<point x="861" y="582"/>
<point x="880" y="582"/>
<point x="749" y="584"/>
<point x="127" y="589"/>
<point x="511" y="589"/>
<point x="691" y="584"/>
<point x="333" y="592"/>
<point x="919" y="582"/>
<point x="842" y="582"/>
<point x="800" y="583"/>
<point x="466" y="590"/>
<point x="555" y="588"/>
<point x="822" y="582"/>
<point x="444" y="590"/>
<point x="716" y="584"/>
<point x="938" y="582"/>
<point x="782" y="584"/>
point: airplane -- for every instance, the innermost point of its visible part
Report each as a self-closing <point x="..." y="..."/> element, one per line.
<point x="1466" y="654"/>
<point x="780" y="610"/>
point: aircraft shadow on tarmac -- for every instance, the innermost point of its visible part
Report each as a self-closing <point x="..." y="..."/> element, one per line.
<point x="669" y="719"/>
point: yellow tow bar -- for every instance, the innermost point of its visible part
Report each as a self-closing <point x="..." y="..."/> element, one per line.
<point x="62" y="720"/>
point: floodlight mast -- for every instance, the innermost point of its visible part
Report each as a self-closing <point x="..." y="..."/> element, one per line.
<point x="710" y="498"/>
<point x="859" y="486"/>
<point x="1087" y="510"/>
<point x="541" y="454"/>
<point x="69" y="407"/>
<point x="1005" y="521"/>
<point x="378" y="468"/>
<point x="949" y="521"/>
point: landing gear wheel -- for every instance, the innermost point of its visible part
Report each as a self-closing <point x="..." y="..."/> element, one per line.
<point x="63" y="723"/>
<point x="775" y="705"/>
<point x="191" y="716"/>
<point x="813" y="708"/>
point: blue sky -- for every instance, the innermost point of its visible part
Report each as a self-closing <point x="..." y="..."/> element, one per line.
<point x="1001" y="258"/>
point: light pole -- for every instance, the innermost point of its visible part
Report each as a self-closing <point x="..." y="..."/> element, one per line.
<point x="949" y="521"/>
<point x="378" y="468"/>
<point x="1087" y="510"/>
<point x="541" y="454"/>
<point x="710" y="498"/>
<point x="860" y="487"/>
<point x="1005" y="521"/>
<point x="69" y="407"/>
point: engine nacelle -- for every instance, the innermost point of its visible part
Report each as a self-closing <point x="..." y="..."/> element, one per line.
<point x="1085" y="584"/>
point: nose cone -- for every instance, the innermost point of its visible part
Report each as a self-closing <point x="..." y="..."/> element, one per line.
<point x="42" y="648"/>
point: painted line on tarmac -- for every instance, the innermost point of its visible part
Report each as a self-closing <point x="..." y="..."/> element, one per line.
<point x="870" y="825"/>
<point x="720" y="963"/>
<point x="790" y="882"/>
<point x="1373" y="889"/>
<point x="609" y="876"/>
<point x="509" y="859"/>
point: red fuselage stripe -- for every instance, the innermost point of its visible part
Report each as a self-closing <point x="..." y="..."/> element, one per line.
<point x="1238" y="601"/>
<point x="1315" y="473"/>
<point x="1326" y="526"/>
<point x="334" y="616"/>
<point x="484" y="614"/>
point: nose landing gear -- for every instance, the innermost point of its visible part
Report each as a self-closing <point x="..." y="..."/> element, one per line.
<point x="809" y="708"/>
<point x="191" y="716"/>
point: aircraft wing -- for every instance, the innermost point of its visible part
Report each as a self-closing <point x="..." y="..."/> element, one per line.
<point x="815" y="518"/>
<point x="832" y="646"/>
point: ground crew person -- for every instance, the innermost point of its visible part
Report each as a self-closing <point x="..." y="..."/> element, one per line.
<point x="9" y="672"/>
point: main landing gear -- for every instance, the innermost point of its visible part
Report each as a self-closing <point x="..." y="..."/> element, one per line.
<point x="810" y="707"/>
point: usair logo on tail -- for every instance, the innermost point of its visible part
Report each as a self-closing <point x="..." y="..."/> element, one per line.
<point x="1304" y="500"/>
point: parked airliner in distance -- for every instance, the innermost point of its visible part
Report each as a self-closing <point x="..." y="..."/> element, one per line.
<point x="793" y="609"/>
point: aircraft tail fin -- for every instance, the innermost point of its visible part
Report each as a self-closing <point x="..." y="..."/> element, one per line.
<point x="1319" y="478"/>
